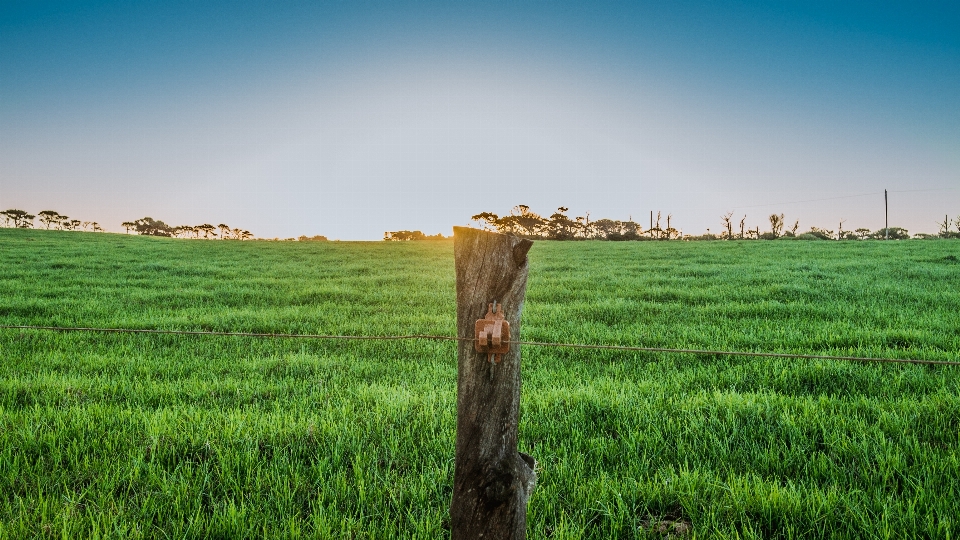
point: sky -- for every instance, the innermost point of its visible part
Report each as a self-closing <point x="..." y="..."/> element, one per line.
<point x="349" y="119"/>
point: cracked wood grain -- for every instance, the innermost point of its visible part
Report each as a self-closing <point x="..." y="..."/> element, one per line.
<point x="492" y="480"/>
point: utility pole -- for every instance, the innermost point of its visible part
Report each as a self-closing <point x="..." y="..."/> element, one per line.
<point x="886" y="217"/>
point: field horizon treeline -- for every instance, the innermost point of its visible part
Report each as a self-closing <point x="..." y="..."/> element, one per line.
<point x="147" y="226"/>
<point x="521" y="221"/>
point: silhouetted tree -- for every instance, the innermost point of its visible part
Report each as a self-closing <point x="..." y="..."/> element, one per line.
<point x="776" y="224"/>
<point x="487" y="220"/>
<point x="224" y="231"/>
<point x="20" y="218"/>
<point x="403" y="236"/>
<point x="186" y="231"/>
<point x="656" y="231"/>
<point x="522" y="222"/>
<point x="895" y="233"/>
<point x="49" y="217"/>
<point x="207" y="229"/>
<point x="604" y="228"/>
<point x="150" y="227"/>
<point x="823" y="234"/>
<point x="127" y="225"/>
<point x="561" y="227"/>
<point x="727" y="222"/>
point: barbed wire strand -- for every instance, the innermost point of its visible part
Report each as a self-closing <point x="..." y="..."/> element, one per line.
<point x="453" y="338"/>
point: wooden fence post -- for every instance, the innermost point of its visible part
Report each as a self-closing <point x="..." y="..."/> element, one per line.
<point x="492" y="480"/>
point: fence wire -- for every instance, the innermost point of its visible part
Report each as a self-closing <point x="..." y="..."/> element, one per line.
<point x="454" y="338"/>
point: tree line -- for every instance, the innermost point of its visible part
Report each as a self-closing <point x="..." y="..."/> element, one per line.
<point x="523" y="222"/>
<point x="50" y="219"/>
<point x="406" y="236"/>
<point x="151" y="227"/>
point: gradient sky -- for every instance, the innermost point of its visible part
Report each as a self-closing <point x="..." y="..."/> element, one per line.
<point x="349" y="119"/>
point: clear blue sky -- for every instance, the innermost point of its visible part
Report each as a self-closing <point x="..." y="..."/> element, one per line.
<point x="351" y="118"/>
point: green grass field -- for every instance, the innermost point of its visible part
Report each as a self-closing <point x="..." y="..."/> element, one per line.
<point x="159" y="436"/>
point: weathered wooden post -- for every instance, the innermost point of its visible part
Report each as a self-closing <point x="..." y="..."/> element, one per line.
<point x="492" y="480"/>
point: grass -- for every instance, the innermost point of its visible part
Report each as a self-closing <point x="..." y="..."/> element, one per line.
<point x="159" y="436"/>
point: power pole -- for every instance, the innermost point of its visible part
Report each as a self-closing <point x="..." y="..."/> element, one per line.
<point x="886" y="217"/>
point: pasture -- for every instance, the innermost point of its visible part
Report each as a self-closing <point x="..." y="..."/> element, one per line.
<point x="160" y="436"/>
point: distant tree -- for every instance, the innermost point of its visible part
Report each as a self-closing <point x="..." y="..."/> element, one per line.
<point x="944" y="231"/>
<point x="893" y="233"/>
<point x="404" y="236"/>
<point x="20" y="218"/>
<point x="319" y="238"/>
<point x="148" y="226"/>
<point x="670" y="232"/>
<point x="72" y="224"/>
<point x="583" y="228"/>
<point x="629" y="230"/>
<point x="561" y="227"/>
<point x="604" y="228"/>
<point x="793" y="230"/>
<point x="527" y="222"/>
<point x="206" y="229"/>
<point x="85" y="224"/>
<point x="862" y="233"/>
<point x="49" y="217"/>
<point x="727" y="222"/>
<point x="127" y="225"/>
<point x="521" y="222"/>
<point x="240" y="234"/>
<point x="742" y="223"/>
<point x="487" y="220"/>
<point x="823" y="234"/>
<point x="186" y="231"/>
<point x="608" y="229"/>
<point x="224" y="231"/>
<point x="776" y="224"/>
<point x="96" y="227"/>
